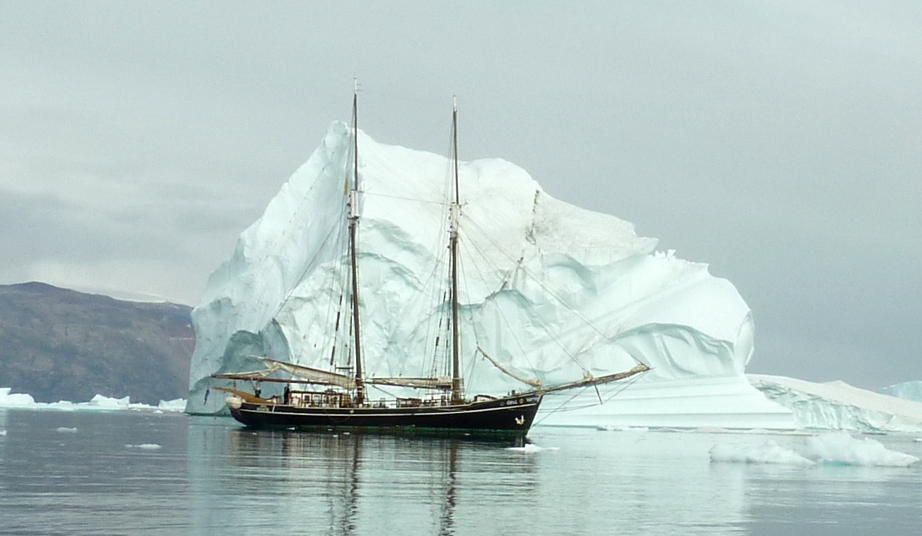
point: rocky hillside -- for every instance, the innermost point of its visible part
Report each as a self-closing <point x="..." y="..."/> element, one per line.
<point x="58" y="344"/>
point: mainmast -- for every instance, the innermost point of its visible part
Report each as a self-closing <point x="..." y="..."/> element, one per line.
<point x="456" y="394"/>
<point x="353" y="225"/>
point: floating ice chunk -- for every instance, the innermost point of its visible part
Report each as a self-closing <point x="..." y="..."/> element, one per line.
<point x="98" y="403"/>
<point x="177" y="405"/>
<point x="2" y="432"/>
<point x="110" y="403"/>
<point x="531" y="448"/>
<point x="64" y="430"/>
<point x="712" y="430"/>
<point x="617" y="428"/>
<point x="832" y="449"/>
<point x="843" y="449"/>
<point x="144" y="446"/>
<point x="770" y="452"/>
<point x="8" y="400"/>
<point x="61" y="405"/>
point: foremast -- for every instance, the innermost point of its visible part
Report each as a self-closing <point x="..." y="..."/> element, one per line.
<point x="353" y="257"/>
<point x="457" y="395"/>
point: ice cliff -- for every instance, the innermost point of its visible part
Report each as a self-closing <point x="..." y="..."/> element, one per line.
<point x="839" y="406"/>
<point x="594" y="290"/>
<point x="907" y="390"/>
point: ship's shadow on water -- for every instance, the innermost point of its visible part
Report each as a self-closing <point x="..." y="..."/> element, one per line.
<point x="336" y="482"/>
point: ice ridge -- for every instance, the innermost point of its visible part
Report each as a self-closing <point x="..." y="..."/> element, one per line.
<point x="839" y="406"/>
<point x="906" y="390"/>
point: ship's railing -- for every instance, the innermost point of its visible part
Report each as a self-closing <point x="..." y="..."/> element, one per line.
<point x="337" y="399"/>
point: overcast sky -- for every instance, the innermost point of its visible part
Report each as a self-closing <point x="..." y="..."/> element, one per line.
<point x="779" y="142"/>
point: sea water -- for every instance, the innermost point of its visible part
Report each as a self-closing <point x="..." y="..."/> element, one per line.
<point x="147" y="473"/>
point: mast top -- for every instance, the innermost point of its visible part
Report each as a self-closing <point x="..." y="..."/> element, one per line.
<point x="454" y="103"/>
<point x="355" y="85"/>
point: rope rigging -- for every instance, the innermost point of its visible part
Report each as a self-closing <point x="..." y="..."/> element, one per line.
<point x="521" y="267"/>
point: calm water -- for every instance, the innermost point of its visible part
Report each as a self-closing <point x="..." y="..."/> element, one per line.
<point x="211" y="477"/>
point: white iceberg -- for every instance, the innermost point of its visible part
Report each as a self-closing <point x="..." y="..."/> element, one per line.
<point x="768" y="453"/>
<point x="272" y="296"/>
<point x="531" y="448"/>
<point x="105" y="402"/>
<point x="99" y="402"/>
<point x="843" y="449"/>
<point x="727" y="402"/>
<point x="175" y="405"/>
<point x="144" y="446"/>
<point x="14" y="400"/>
<point x="839" y="406"/>
<point x="908" y="390"/>
<point x="836" y="448"/>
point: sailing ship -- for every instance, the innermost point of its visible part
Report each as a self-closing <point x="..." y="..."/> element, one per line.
<point x="317" y="399"/>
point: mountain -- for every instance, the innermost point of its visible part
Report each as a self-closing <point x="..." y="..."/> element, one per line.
<point x="59" y="344"/>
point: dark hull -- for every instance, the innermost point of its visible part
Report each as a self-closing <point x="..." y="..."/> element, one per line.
<point x="509" y="416"/>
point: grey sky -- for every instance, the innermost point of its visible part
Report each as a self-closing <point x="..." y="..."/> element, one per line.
<point x="780" y="142"/>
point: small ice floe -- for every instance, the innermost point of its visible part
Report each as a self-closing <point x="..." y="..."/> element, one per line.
<point x="918" y="440"/>
<point x="105" y="402"/>
<point x="64" y="430"/>
<point x="711" y="430"/>
<point x="10" y="400"/>
<point x="2" y="432"/>
<point x="837" y="448"/>
<point x="177" y="405"/>
<point x="618" y="428"/>
<point x="531" y="447"/>
<point x="840" y="448"/>
<point x="144" y="446"/>
<point x="769" y="452"/>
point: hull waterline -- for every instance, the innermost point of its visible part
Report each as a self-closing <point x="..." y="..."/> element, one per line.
<point x="509" y="416"/>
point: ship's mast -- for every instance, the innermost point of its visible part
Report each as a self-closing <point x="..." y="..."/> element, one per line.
<point x="456" y="394"/>
<point x="353" y="226"/>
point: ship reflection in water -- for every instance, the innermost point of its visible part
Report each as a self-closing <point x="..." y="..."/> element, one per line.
<point x="334" y="483"/>
<point x="140" y="473"/>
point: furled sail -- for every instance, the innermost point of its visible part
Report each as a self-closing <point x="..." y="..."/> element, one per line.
<point x="589" y="379"/>
<point x="442" y="382"/>
<point x="534" y="382"/>
<point x="306" y="374"/>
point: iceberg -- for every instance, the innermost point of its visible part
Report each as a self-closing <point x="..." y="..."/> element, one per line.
<point x="726" y="402"/>
<point x="836" y="448"/>
<point x="10" y="400"/>
<point x="839" y="406"/>
<point x="769" y="452"/>
<point x="550" y="289"/>
<point x="843" y="449"/>
<point x="907" y="390"/>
